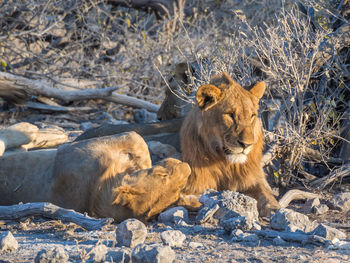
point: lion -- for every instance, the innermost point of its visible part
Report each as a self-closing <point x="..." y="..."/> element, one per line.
<point x="111" y="176"/>
<point x="222" y="141"/>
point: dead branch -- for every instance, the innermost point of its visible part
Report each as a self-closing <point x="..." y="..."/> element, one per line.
<point x="10" y="83"/>
<point x="44" y="107"/>
<point x="161" y="7"/>
<point x="291" y="236"/>
<point x="339" y="173"/>
<point x="52" y="211"/>
<point x="316" y="156"/>
<point x="143" y="129"/>
<point x="295" y="194"/>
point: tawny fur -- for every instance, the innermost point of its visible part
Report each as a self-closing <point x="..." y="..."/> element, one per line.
<point x="106" y="177"/>
<point x="224" y="119"/>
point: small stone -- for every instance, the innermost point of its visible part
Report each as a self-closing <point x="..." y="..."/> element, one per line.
<point x="176" y="215"/>
<point x="341" y="201"/>
<point x="230" y="209"/>
<point x="160" y="151"/>
<point x="86" y="126"/>
<point x="152" y="254"/>
<point x="245" y="237"/>
<point x="195" y="245"/>
<point x="206" y="214"/>
<point x="144" y="116"/>
<point x="173" y="238"/>
<point x="310" y="203"/>
<point x="320" y="209"/>
<point x="289" y="220"/>
<point x="131" y="232"/>
<point x="328" y="232"/>
<point x="98" y="253"/>
<point x="344" y="245"/>
<point x="278" y="241"/>
<point x="237" y="232"/>
<point x="8" y="242"/>
<point x="52" y="255"/>
<point x="118" y="256"/>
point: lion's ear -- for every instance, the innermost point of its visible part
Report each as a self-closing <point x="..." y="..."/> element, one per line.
<point x="207" y="96"/>
<point x="258" y="89"/>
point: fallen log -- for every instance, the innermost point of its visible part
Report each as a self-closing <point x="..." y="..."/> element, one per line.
<point x="16" y="88"/>
<point x="52" y="211"/>
<point x="144" y="129"/>
<point x="295" y="194"/>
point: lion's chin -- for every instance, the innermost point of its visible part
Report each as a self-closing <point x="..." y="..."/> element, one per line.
<point x="237" y="158"/>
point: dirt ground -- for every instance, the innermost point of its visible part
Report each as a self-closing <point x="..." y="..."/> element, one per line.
<point x="204" y="243"/>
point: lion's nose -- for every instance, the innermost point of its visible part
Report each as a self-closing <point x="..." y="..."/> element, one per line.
<point x="244" y="144"/>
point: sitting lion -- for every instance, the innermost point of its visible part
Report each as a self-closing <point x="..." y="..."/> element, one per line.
<point x="107" y="177"/>
<point x="222" y="141"/>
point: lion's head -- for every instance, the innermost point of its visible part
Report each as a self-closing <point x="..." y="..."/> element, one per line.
<point x="227" y="118"/>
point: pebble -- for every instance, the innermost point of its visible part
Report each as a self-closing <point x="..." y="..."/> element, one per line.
<point x="98" y="253"/>
<point x="195" y="245"/>
<point x="289" y="220"/>
<point x="173" y="238"/>
<point x="52" y="255"/>
<point x="278" y="241"/>
<point x="153" y="253"/>
<point x="176" y="215"/>
<point x="8" y="242"/>
<point x="328" y="232"/>
<point x="131" y="232"/>
<point x="341" y="201"/>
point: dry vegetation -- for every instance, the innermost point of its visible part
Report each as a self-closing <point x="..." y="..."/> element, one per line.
<point x="301" y="50"/>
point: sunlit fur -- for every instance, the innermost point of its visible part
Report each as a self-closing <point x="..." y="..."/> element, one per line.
<point x="109" y="176"/>
<point x="224" y="119"/>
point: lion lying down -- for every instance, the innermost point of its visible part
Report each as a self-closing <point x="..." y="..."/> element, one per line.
<point x="221" y="140"/>
<point x="106" y="177"/>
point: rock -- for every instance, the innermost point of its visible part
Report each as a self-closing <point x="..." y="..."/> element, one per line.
<point x="231" y="209"/>
<point x="98" y="253"/>
<point x="131" y="233"/>
<point x="143" y="116"/>
<point x="52" y="255"/>
<point x="341" y="201"/>
<point x="173" y="238"/>
<point x="195" y="245"/>
<point x="176" y="215"/>
<point x="245" y="237"/>
<point x="289" y="220"/>
<point x="8" y="242"/>
<point x="328" y="232"/>
<point x="337" y="244"/>
<point x="86" y="125"/>
<point x="152" y="254"/>
<point x="310" y="204"/>
<point x="278" y="241"/>
<point x="206" y="214"/>
<point x="160" y="151"/>
<point x="118" y="256"/>
<point x="320" y="209"/>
